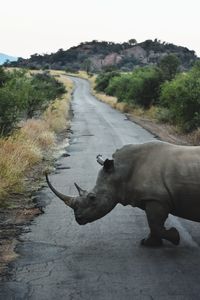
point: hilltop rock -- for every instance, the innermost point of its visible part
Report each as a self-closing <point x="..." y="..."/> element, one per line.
<point x="95" y="56"/>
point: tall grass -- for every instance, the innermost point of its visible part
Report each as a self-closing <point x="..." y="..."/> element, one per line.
<point x="32" y="142"/>
<point x="57" y="114"/>
<point x="15" y="157"/>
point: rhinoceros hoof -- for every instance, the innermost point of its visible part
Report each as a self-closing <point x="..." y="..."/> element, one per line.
<point x="174" y="236"/>
<point x="151" y="242"/>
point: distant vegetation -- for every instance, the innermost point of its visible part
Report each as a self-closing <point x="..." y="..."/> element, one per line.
<point x="23" y="95"/>
<point x="95" y="56"/>
<point x="175" y="93"/>
<point x="33" y="140"/>
<point x="181" y="97"/>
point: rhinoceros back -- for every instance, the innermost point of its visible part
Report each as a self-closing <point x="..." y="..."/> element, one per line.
<point x="164" y="172"/>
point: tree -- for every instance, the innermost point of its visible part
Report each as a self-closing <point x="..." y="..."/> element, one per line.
<point x="9" y="111"/>
<point x="132" y="41"/>
<point x="102" y="81"/>
<point x="22" y="95"/>
<point x="140" y="87"/>
<point x="169" y="65"/>
<point x="87" y="65"/>
<point x="182" y="97"/>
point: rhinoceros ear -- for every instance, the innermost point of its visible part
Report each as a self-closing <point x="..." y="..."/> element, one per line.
<point x="108" y="165"/>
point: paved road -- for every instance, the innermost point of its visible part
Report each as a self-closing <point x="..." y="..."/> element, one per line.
<point x="100" y="261"/>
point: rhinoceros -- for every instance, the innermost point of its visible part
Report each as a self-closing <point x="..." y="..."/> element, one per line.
<point x="159" y="178"/>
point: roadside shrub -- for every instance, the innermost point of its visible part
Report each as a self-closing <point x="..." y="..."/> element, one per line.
<point x="119" y="87"/>
<point x="23" y="95"/>
<point x="182" y="97"/>
<point x="9" y="111"/>
<point x="38" y="132"/>
<point x="103" y="80"/>
<point x="13" y="95"/>
<point x="140" y="87"/>
<point x="164" y="115"/>
<point x="43" y="89"/>
<point x="71" y="70"/>
<point x="169" y="65"/>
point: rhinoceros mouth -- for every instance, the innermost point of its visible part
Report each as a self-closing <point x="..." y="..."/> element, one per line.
<point x="81" y="221"/>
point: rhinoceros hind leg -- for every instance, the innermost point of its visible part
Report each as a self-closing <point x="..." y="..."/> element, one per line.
<point x="151" y="242"/>
<point x="173" y="236"/>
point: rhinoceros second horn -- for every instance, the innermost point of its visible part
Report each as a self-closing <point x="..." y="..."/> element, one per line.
<point x="79" y="189"/>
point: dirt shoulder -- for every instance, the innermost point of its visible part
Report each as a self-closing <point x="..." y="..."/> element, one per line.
<point x="163" y="132"/>
<point x="24" y="207"/>
<point x="15" y="219"/>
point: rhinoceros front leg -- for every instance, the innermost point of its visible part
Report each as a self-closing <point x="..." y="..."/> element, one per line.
<point x="156" y="215"/>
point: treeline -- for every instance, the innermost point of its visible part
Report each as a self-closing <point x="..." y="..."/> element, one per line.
<point x="177" y="95"/>
<point x="24" y="95"/>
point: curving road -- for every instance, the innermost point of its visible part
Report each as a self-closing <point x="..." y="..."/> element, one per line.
<point x="58" y="259"/>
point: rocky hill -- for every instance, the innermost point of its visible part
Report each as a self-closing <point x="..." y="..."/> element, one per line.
<point x="95" y="55"/>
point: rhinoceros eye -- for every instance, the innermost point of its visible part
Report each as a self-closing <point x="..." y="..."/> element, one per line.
<point x="92" y="196"/>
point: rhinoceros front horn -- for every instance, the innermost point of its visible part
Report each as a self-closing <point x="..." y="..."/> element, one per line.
<point x="79" y="189"/>
<point x="70" y="201"/>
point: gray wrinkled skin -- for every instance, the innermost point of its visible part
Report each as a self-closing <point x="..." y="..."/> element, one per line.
<point x="157" y="177"/>
<point x="98" y="202"/>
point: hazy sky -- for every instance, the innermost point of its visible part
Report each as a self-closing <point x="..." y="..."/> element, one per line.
<point x="44" y="26"/>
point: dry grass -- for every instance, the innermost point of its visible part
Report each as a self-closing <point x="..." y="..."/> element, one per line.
<point x="57" y="114"/>
<point x="145" y="113"/>
<point x="194" y="137"/>
<point x="125" y="107"/>
<point x="83" y="75"/>
<point x="112" y="101"/>
<point x="80" y="74"/>
<point x="15" y="157"/>
<point x="32" y="142"/>
<point x="37" y="132"/>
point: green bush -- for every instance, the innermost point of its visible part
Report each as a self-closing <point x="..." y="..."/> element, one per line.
<point x="182" y="97"/>
<point x="9" y="111"/>
<point x="103" y="80"/>
<point x="22" y="95"/>
<point x="119" y="87"/>
<point x="164" y="115"/>
<point x="42" y="89"/>
<point x="12" y="100"/>
<point x="140" y="87"/>
<point x="169" y="65"/>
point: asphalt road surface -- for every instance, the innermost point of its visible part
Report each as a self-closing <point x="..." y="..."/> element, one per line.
<point x="58" y="259"/>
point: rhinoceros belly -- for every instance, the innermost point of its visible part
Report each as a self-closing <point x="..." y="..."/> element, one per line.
<point x="186" y="200"/>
